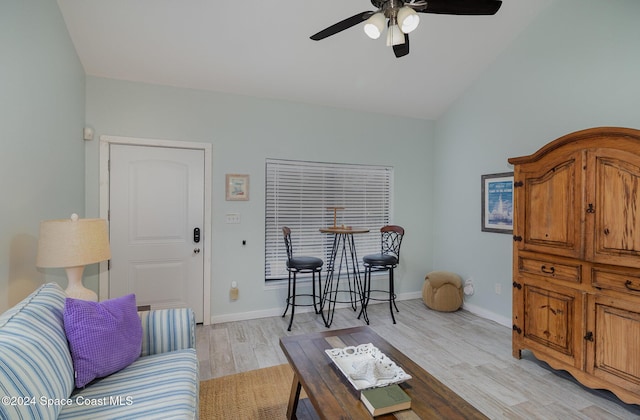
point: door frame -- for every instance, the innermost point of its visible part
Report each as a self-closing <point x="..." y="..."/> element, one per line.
<point x="105" y="143"/>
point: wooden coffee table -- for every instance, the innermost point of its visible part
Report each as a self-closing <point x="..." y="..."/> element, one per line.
<point x="332" y="396"/>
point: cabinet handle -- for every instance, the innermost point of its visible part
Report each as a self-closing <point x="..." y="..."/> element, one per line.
<point x="628" y="284"/>
<point x="546" y="270"/>
<point x="591" y="209"/>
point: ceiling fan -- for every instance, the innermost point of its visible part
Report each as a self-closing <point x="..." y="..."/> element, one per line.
<point x="401" y="17"/>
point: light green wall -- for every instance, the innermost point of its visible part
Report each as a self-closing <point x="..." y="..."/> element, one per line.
<point x="41" y="147"/>
<point x="577" y="66"/>
<point x="244" y="131"/>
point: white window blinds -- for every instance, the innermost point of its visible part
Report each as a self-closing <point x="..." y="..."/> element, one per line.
<point x="298" y="195"/>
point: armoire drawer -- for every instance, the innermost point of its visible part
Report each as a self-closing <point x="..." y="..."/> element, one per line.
<point x="626" y="282"/>
<point x="549" y="268"/>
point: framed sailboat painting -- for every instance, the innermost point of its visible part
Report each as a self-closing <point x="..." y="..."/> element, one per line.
<point x="497" y="202"/>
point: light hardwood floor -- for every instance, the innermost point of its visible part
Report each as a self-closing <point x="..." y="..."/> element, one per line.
<point x="469" y="354"/>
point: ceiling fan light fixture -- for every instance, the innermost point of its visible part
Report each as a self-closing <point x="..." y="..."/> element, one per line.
<point x="408" y="19"/>
<point x="401" y="18"/>
<point x="394" y="36"/>
<point x="374" y="26"/>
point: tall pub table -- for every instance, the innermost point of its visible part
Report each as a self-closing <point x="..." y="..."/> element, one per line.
<point x="343" y="251"/>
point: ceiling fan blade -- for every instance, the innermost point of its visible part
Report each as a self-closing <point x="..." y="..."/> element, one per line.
<point x="461" y="7"/>
<point x="401" y="50"/>
<point x="341" y="26"/>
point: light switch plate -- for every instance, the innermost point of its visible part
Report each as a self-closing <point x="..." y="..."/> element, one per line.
<point x="233" y="218"/>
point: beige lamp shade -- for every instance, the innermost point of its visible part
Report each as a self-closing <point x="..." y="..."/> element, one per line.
<point x="72" y="242"/>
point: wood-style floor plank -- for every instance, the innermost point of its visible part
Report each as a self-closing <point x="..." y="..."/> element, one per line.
<point x="469" y="354"/>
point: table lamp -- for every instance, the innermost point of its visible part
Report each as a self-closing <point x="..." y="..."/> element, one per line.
<point x="72" y="244"/>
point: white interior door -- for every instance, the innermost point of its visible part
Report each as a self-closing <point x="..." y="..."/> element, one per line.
<point x="156" y="214"/>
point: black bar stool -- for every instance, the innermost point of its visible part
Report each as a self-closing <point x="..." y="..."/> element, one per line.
<point x="301" y="264"/>
<point x="386" y="260"/>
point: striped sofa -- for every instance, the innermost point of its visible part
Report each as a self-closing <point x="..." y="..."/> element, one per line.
<point x="36" y="370"/>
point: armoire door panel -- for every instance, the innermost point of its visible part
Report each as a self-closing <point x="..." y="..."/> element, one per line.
<point x="551" y="315"/>
<point x="617" y="339"/>
<point x="617" y="207"/>
<point x="551" y="213"/>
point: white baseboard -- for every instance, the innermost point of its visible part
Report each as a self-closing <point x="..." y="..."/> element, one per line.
<point x="243" y="316"/>
<point x="266" y="313"/>
<point x="409" y="296"/>
<point x="483" y="313"/>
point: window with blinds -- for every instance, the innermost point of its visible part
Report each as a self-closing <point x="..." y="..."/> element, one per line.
<point x="300" y="194"/>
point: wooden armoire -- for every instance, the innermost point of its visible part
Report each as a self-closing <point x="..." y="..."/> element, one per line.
<point x="576" y="257"/>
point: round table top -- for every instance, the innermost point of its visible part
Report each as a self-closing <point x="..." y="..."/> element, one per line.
<point x="341" y="229"/>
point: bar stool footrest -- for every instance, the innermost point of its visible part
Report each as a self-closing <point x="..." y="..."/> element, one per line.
<point x="382" y="299"/>
<point x="289" y="300"/>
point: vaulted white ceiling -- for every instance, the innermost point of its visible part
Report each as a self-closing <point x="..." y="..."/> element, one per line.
<point x="262" y="48"/>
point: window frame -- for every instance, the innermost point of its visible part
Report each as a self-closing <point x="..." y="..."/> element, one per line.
<point x="298" y="195"/>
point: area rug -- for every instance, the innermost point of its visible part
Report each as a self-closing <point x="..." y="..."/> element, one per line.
<point x="257" y="394"/>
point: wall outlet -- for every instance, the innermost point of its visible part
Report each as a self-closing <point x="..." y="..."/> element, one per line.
<point x="234" y="292"/>
<point x="468" y="287"/>
<point x="498" y="288"/>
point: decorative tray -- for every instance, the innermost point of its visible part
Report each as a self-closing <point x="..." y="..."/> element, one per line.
<point x="367" y="367"/>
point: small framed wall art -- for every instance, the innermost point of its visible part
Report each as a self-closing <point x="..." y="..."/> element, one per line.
<point x="237" y="187"/>
<point x="497" y="202"/>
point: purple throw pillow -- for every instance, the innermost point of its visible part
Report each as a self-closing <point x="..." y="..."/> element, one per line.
<point x="104" y="337"/>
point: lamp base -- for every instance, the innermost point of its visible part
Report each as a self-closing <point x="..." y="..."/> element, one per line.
<point x="75" y="288"/>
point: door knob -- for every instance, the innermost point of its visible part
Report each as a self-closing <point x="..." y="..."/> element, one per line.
<point x="196" y="251"/>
